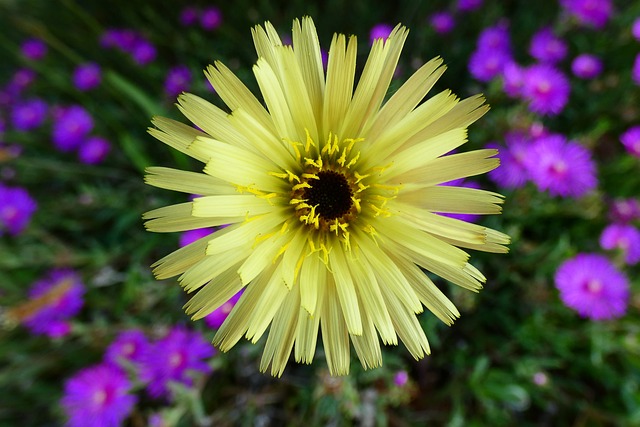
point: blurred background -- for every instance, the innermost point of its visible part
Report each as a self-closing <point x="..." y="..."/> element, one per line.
<point x="89" y="337"/>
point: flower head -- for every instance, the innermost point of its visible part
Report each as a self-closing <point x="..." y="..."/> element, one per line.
<point x="97" y="396"/>
<point x="468" y="5"/>
<point x="177" y="81"/>
<point x="401" y="378"/>
<point x="210" y="18"/>
<point x="129" y="347"/>
<point x="380" y="31"/>
<point x="624" y="210"/>
<point x="564" y="168"/>
<point x="635" y="29"/>
<point x="94" y="150"/>
<point x="591" y="285"/>
<point x="513" y="172"/>
<point x="189" y="16"/>
<point x="175" y="358"/>
<point x="591" y="13"/>
<point x="16" y="209"/>
<point x="332" y="198"/>
<point x="495" y="37"/>
<point x="87" y="76"/>
<point x="547" y="47"/>
<point x="442" y="22"/>
<point x="635" y="70"/>
<point x="71" y="127"/>
<point x="546" y="88"/>
<point x="485" y="64"/>
<point x="624" y="237"/>
<point x="34" y="49"/>
<point x="58" y="297"/>
<point x="29" y="114"/>
<point x="631" y="140"/>
<point x="513" y="79"/>
<point x="143" y="52"/>
<point x="586" y="66"/>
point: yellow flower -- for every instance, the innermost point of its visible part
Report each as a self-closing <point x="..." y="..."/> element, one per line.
<point x="333" y="199"/>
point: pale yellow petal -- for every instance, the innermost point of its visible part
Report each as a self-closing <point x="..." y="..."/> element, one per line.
<point x="276" y="100"/>
<point x="307" y="50"/>
<point x="262" y="256"/>
<point x="214" y="294"/>
<point x="453" y="199"/>
<point x="267" y="305"/>
<point x="212" y="266"/>
<point x="335" y="336"/>
<point x="312" y="277"/>
<point x="175" y="134"/>
<point x="282" y="334"/>
<point x="186" y="182"/>
<point x="341" y="69"/>
<point x="245" y="232"/>
<point x="346" y="291"/>
<point x="180" y="260"/>
<point x="307" y="330"/>
<point x="367" y="345"/>
<point x="230" y="206"/>
<point x="169" y="219"/>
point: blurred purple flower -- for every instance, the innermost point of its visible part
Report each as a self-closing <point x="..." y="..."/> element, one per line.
<point x="29" y="114"/>
<point x="21" y="79"/>
<point x="175" y="358"/>
<point x="178" y="80"/>
<point x="61" y="292"/>
<point x="16" y="209"/>
<point x="546" y="88"/>
<point x="485" y="64"/>
<point x="586" y="66"/>
<point x="98" y="396"/>
<point x="380" y="31"/>
<point x="624" y="237"/>
<point x="512" y="172"/>
<point x="592" y="13"/>
<point x="190" y="236"/>
<point x="128" y="347"/>
<point x="143" y="52"/>
<point x="635" y="29"/>
<point x="635" y="71"/>
<point x="624" y="210"/>
<point x="70" y="128"/>
<point x="87" y="76"/>
<point x="631" y="140"/>
<point x="123" y="39"/>
<point x="442" y="22"/>
<point x="591" y="285"/>
<point x="94" y="150"/>
<point x="495" y="37"/>
<point x="564" y="168"/>
<point x="33" y="49"/>
<point x="512" y="79"/>
<point x="547" y="47"/>
<point x="401" y="378"/>
<point x="468" y="5"/>
<point x="189" y="16"/>
<point x="210" y="18"/>
<point x="217" y="317"/>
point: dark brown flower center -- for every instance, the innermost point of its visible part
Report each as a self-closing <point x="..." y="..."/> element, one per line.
<point x="330" y="193"/>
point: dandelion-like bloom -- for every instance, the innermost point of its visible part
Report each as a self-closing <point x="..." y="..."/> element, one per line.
<point x="98" y="396"/>
<point x="631" y="140"/>
<point x="624" y="237"/>
<point x="175" y="358"/>
<point x="564" y="168"/>
<point x="57" y="297"/>
<point x="129" y="347"/>
<point x="332" y="200"/>
<point x="591" y="285"/>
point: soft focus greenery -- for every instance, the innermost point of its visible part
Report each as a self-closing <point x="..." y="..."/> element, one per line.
<point x="482" y="369"/>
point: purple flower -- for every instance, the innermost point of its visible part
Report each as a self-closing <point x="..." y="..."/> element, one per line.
<point x="71" y="127"/>
<point x="188" y="16"/>
<point x="216" y="318"/>
<point x="547" y="47"/>
<point x="624" y="237"/>
<point x="586" y="66"/>
<point x="143" y="52"/>
<point x="16" y="209"/>
<point x="33" y="49"/>
<point x="123" y="39"/>
<point x="624" y="210"/>
<point x="87" y="76"/>
<point x="485" y="64"/>
<point x="512" y="172"/>
<point x="591" y="285"/>
<point x="21" y="79"/>
<point x="401" y="378"/>
<point x="93" y="150"/>
<point x="211" y="18"/>
<point x="98" y="396"/>
<point x="128" y="347"/>
<point x="635" y="71"/>
<point x="442" y="22"/>
<point x="592" y="13"/>
<point x="635" y="29"/>
<point x="188" y="237"/>
<point x="562" y="167"/>
<point x="468" y="5"/>
<point x="59" y="295"/>
<point x="512" y="79"/>
<point x="175" y="358"/>
<point x="29" y="114"/>
<point x="380" y="31"/>
<point x="177" y="81"/>
<point x="631" y="140"/>
<point x="546" y="89"/>
<point x="495" y="37"/>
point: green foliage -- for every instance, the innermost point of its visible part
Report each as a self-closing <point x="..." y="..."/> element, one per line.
<point x="517" y="356"/>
